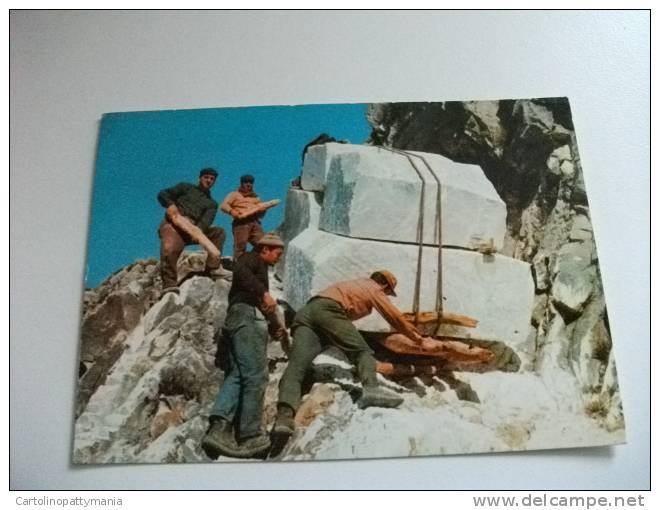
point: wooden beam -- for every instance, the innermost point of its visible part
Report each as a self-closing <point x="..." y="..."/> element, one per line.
<point x="451" y="350"/>
<point x="259" y="208"/>
<point x="447" y="318"/>
<point x="198" y="236"/>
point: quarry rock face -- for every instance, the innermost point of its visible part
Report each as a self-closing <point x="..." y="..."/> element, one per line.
<point x="110" y="312"/>
<point x="528" y="151"/>
<point x="152" y="405"/>
<point x="515" y="412"/>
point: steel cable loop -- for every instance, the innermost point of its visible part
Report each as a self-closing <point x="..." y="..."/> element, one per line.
<point x="420" y="232"/>
<point x="438" y="231"/>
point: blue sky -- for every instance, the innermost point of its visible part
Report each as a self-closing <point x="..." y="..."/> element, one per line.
<point x="140" y="153"/>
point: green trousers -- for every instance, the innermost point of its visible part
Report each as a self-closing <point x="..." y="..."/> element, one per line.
<point x="320" y="323"/>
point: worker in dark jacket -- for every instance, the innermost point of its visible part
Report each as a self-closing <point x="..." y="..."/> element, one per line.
<point x="235" y="419"/>
<point x="196" y="204"/>
<point x="326" y="320"/>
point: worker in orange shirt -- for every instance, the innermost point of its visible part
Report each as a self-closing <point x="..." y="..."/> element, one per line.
<point x="245" y="229"/>
<point x="325" y="320"/>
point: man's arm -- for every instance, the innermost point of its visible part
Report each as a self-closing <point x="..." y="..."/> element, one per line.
<point x="394" y="317"/>
<point x="277" y="331"/>
<point x="168" y="196"/>
<point x="227" y="205"/>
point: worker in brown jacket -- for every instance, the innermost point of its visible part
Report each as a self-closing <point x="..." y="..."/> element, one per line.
<point x="325" y="320"/>
<point x="245" y="229"/>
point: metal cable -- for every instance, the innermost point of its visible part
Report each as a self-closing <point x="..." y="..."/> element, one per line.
<point x="420" y="232"/>
<point x="438" y="232"/>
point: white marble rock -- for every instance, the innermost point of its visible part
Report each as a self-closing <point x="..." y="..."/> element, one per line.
<point x="372" y="193"/>
<point x="498" y="291"/>
<point x="317" y="163"/>
<point x="301" y="211"/>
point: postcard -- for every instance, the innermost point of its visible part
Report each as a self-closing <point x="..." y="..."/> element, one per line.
<point x="342" y="281"/>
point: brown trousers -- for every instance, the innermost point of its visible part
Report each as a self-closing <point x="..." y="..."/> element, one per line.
<point x="172" y="242"/>
<point x="243" y="233"/>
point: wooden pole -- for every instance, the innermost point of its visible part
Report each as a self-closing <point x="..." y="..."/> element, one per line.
<point x="451" y="350"/>
<point x="446" y="318"/>
<point x="258" y="208"/>
<point x="198" y="236"/>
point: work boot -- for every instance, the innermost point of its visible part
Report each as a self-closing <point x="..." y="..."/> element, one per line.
<point x="283" y="429"/>
<point x="218" y="273"/>
<point x="255" y="446"/>
<point x="285" y="425"/>
<point x="219" y="440"/>
<point x="377" y="396"/>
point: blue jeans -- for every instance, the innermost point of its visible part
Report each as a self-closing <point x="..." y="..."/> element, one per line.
<point x="240" y="399"/>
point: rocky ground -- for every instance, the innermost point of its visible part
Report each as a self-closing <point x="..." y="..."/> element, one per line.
<point x="152" y="402"/>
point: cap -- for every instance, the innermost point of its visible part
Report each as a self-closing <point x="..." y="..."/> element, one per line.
<point x="208" y="171"/>
<point x="389" y="278"/>
<point x="271" y="239"/>
<point x="247" y="178"/>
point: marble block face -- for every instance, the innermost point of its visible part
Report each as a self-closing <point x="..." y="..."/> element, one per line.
<point x="301" y="211"/>
<point x="497" y="291"/>
<point x="317" y="163"/>
<point x="372" y="193"/>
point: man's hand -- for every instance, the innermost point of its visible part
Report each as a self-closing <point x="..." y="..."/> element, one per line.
<point x="277" y="330"/>
<point x="172" y="212"/>
<point x="282" y="336"/>
<point x="268" y="304"/>
<point x="235" y="214"/>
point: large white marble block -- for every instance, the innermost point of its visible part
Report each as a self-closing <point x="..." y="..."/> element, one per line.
<point x="373" y="193"/>
<point x="498" y="291"/>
